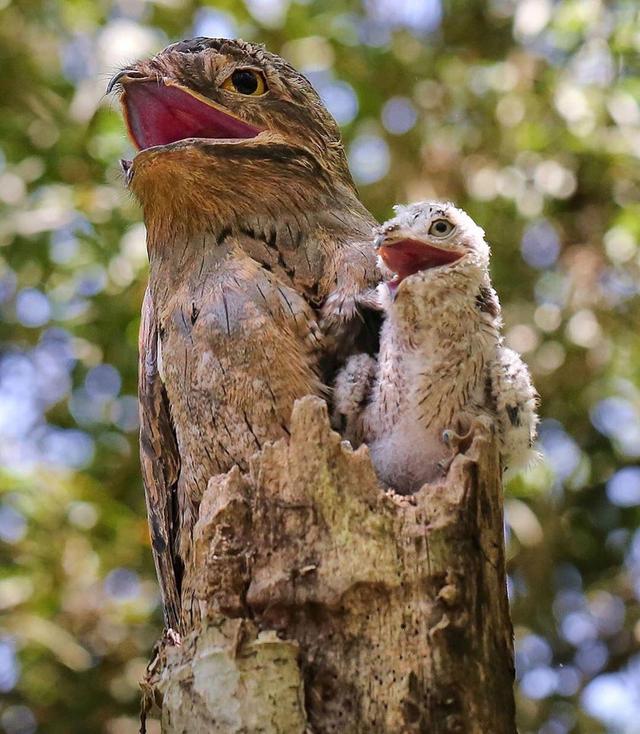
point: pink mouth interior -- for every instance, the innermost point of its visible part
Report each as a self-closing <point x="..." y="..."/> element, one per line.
<point x="159" y="115"/>
<point x="407" y="257"/>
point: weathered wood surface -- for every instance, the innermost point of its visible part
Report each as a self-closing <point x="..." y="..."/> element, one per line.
<point x="318" y="602"/>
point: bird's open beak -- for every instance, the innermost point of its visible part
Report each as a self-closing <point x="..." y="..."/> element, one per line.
<point x="406" y="256"/>
<point x="161" y="111"/>
<point x="123" y="76"/>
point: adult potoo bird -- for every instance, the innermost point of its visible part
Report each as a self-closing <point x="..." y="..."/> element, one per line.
<point x="255" y="234"/>
<point x="442" y="364"/>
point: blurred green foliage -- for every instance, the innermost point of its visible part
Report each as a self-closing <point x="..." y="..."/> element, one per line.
<point x="526" y="113"/>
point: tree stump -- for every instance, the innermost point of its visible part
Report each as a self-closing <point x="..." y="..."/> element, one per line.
<point x="319" y="602"/>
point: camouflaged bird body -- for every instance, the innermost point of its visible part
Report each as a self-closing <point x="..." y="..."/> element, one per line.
<point x="258" y="250"/>
<point x="237" y="346"/>
<point x="433" y="369"/>
<point x="238" y="343"/>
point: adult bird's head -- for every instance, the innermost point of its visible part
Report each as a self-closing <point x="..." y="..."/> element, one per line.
<point x="223" y="119"/>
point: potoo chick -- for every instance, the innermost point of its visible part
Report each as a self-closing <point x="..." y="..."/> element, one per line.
<point x="255" y="235"/>
<point x="442" y="365"/>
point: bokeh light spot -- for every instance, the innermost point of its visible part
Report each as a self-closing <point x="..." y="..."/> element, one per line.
<point x="623" y="489"/>
<point x="399" y="115"/>
<point x="103" y="381"/>
<point x="369" y="158"/>
<point x="13" y="526"/>
<point x="18" y="720"/>
<point x="539" y="683"/>
<point x="540" y="245"/>
<point x="122" y="584"/>
<point x="613" y="699"/>
<point x="341" y="100"/>
<point x="32" y="308"/>
<point x="214" y="24"/>
<point x="9" y="666"/>
<point x="559" y="449"/>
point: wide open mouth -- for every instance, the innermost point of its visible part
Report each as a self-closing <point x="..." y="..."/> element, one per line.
<point x="159" y="113"/>
<point x="407" y="257"/>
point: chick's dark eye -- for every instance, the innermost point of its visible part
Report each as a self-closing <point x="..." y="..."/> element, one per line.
<point x="246" y="81"/>
<point x="440" y="228"/>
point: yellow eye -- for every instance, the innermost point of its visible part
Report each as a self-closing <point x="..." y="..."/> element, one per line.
<point x="440" y="228"/>
<point x="246" y="81"/>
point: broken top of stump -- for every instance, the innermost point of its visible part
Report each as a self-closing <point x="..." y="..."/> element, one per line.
<point x="396" y="605"/>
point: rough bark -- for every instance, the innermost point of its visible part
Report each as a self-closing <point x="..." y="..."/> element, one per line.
<point x="318" y="602"/>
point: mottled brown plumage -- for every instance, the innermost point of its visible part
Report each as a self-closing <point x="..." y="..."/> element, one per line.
<point x="258" y="248"/>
